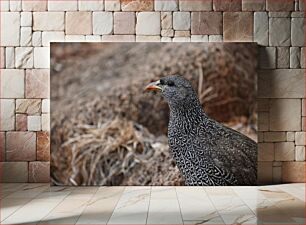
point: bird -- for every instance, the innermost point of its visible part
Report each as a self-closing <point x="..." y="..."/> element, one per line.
<point x="206" y="152"/>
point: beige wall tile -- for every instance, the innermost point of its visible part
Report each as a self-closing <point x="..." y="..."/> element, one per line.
<point x="93" y="38"/>
<point x="263" y="105"/>
<point x="264" y="172"/>
<point x="137" y="5"/>
<point x="166" y="20"/>
<point x="28" y="106"/>
<point x="5" y="5"/>
<point x="2" y="146"/>
<point x="48" y="21"/>
<point x="112" y="5"/>
<point x="263" y="121"/>
<point x="283" y="57"/>
<point x="281" y="83"/>
<point x="75" y="38"/>
<point x="37" y="83"/>
<point x="284" y="151"/>
<point x="91" y="5"/>
<point x="9" y="57"/>
<point x="7" y="114"/>
<point x="20" y="146"/>
<point x="279" y="31"/>
<point x="14" y="171"/>
<point x="145" y="28"/>
<point x="227" y="5"/>
<point x="46" y="105"/>
<point x="267" y="57"/>
<point x="102" y="22"/>
<point x="181" y="39"/>
<point x="25" y="36"/>
<point x="295" y="57"/>
<point x="26" y="19"/>
<point x="167" y="33"/>
<point x="2" y="57"/>
<point x="118" y="38"/>
<point x="39" y="172"/>
<point x="43" y="146"/>
<point x="199" y="38"/>
<point x="300" y="138"/>
<point x="299" y="153"/>
<point x="215" y="38"/>
<point x="297" y="32"/>
<point x="21" y="122"/>
<point x="277" y="174"/>
<point x="34" y="123"/>
<point x="206" y="23"/>
<point x="261" y="28"/>
<point x="45" y="122"/>
<point x="10" y="28"/>
<point x="41" y="57"/>
<point x="34" y="5"/>
<point x="197" y="5"/>
<point x="290" y="136"/>
<point x="124" y="22"/>
<point x="293" y="172"/>
<point x="78" y="23"/>
<point x="275" y="136"/>
<point x="24" y="57"/>
<point x="181" y="20"/>
<point x="238" y="26"/>
<point x="285" y="115"/>
<point x="253" y="5"/>
<point x="142" y="38"/>
<point x="52" y="36"/>
<point x="166" y="39"/>
<point x="169" y="5"/>
<point x="282" y="5"/>
<point x="265" y="152"/>
<point x="37" y="39"/>
<point x="12" y="83"/>
<point x="56" y="5"/>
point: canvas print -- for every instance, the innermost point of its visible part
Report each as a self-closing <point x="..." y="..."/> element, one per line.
<point x="153" y="114"/>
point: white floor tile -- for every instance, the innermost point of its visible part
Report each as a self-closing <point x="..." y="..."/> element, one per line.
<point x="100" y="208"/>
<point x="132" y="207"/>
<point x="164" y="206"/>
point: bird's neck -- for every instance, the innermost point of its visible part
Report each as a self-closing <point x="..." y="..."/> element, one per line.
<point x="188" y="111"/>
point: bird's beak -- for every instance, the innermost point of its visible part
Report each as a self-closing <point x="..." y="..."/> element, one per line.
<point x="153" y="86"/>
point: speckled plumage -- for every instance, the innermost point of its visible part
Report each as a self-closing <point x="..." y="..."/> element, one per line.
<point x="205" y="151"/>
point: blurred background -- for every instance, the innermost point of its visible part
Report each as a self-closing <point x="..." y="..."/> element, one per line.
<point x="106" y="130"/>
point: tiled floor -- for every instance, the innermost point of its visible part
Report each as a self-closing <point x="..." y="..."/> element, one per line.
<point x="42" y="204"/>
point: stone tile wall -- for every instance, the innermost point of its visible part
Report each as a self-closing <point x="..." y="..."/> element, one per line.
<point x="28" y="26"/>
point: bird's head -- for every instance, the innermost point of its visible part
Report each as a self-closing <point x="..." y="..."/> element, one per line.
<point x="175" y="89"/>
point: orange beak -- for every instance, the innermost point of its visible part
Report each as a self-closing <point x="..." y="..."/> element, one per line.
<point x="153" y="86"/>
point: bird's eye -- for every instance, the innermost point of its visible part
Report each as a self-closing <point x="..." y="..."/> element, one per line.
<point x="162" y="82"/>
<point x="170" y="83"/>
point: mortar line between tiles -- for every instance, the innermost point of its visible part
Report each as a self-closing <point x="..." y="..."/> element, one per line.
<point x="214" y="206"/>
<point x="18" y="189"/>
<point x="255" y="213"/>
<point x="54" y="207"/>
<point x="29" y="199"/>
<point x="149" y="205"/>
<point x="116" y="204"/>
<point x="29" y="202"/>
<point x="178" y="201"/>
<point x="87" y="205"/>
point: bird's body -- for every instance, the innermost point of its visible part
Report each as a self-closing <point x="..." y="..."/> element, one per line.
<point x="205" y="151"/>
